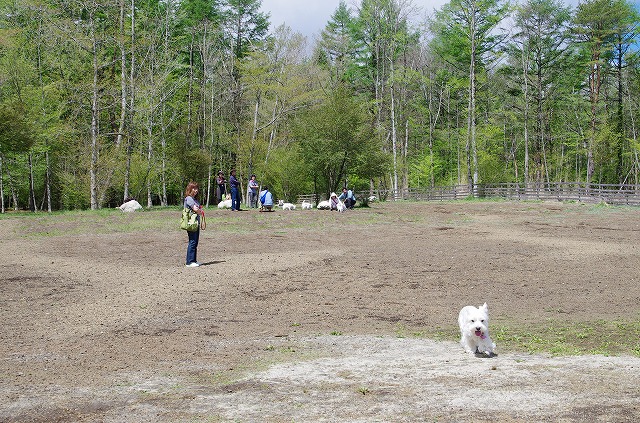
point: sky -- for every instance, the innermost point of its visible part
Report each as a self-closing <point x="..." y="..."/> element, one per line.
<point x="309" y="17"/>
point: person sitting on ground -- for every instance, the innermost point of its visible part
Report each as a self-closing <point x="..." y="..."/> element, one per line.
<point x="348" y="198"/>
<point x="334" y="202"/>
<point x="266" y="200"/>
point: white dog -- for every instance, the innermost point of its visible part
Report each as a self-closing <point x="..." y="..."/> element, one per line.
<point x="306" y="205"/>
<point x="474" y="330"/>
<point x="286" y="206"/>
<point x="324" y="205"/>
<point x="225" y="204"/>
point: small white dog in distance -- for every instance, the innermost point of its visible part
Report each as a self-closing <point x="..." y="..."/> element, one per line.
<point x="474" y="330"/>
<point x="226" y="203"/>
<point x="286" y="206"/>
<point x="324" y="205"/>
<point x="306" y="205"/>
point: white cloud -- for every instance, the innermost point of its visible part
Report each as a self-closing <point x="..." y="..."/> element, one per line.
<point x="309" y="17"/>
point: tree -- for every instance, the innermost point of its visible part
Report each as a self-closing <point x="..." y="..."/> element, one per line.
<point x="466" y="31"/>
<point x="598" y="24"/>
<point x="626" y="34"/>
<point x="337" y="48"/>
<point x="245" y="28"/>
<point x="539" y="50"/>
<point x="332" y="138"/>
<point x="16" y="137"/>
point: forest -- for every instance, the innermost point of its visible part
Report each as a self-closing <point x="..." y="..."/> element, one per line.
<point x="101" y="101"/>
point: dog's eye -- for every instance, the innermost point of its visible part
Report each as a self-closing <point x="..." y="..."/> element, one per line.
<point x="473" y="320"/>
<point x="482" y="320"/>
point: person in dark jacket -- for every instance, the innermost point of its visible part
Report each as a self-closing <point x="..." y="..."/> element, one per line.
<point x="235" y="191"/>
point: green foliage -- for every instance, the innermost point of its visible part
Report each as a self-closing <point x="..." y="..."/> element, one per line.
<point x="287" y="175"/>
<point x="73" y="194"/>
<point x="195" y="166"/>
<point x="423" y="170"/>
<point x="332" y="139"/>
<point x="16" y="134"/>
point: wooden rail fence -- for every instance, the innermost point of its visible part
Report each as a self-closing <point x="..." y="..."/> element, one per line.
<point x="628" y="195"/>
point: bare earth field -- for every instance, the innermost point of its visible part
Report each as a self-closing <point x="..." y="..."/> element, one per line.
<point x="314" y="316"/>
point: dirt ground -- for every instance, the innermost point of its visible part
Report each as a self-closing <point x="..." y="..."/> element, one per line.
<point x="314" y="316"/>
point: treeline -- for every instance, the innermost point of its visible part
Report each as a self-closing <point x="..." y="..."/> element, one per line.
<point x="105" y="100"/>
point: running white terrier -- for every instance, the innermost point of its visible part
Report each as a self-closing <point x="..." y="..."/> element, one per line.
<point x="474" y="330"/>
<point x="306" y="205"/>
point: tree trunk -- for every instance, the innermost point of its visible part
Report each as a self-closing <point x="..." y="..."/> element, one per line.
<point x="47" y="182"/>
<point x="472" y="157"/>
<point x="163" y="166"/>
<point x="93" y="168"/>
<point x="272" y="134"/>
<point x="32" y="194"/>
<point x="123" y="78"/>
<point x="394" y="134"/>
<point x="594" y="96"/>
<point x="129" y="151"/>
<point x="525" y="92"/>
<point x="1" y="188"/>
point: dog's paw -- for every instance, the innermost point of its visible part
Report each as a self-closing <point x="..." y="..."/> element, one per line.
<point x="485" y="354"/>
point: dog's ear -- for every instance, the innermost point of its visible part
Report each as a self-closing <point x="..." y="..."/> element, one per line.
<point x="485" y="307"/>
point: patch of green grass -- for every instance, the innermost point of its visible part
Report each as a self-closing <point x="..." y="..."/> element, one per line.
<point x="364" y="390"/>
<point x="103" y="221"/>
<point x="560" y="338"/>
<point x="599" y="337"/>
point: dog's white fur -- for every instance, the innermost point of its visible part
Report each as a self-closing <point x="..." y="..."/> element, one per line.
<point x="373" y="198"/>
<point x="324" y="205"/>
<point x="474" y="330"/>
<point x="225" y="204"/>
<point x="286" y="206"/>
<point x="306" y="205"/>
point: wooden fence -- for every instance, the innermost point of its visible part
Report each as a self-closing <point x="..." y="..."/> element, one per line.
<point x="562" y="191"/>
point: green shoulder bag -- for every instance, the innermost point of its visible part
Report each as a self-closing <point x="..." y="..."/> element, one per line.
<point x="189" y="220"/>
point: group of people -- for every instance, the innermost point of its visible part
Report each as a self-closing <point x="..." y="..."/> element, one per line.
<point x="341" y="202"/>
<point x="265" y="197"/>
<point x="234" y="187"/>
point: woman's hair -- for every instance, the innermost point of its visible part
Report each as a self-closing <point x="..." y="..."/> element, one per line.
<point x="190" y="188"/>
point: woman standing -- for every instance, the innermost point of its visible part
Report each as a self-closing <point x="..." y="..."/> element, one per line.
<point x="191" y="202"/>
